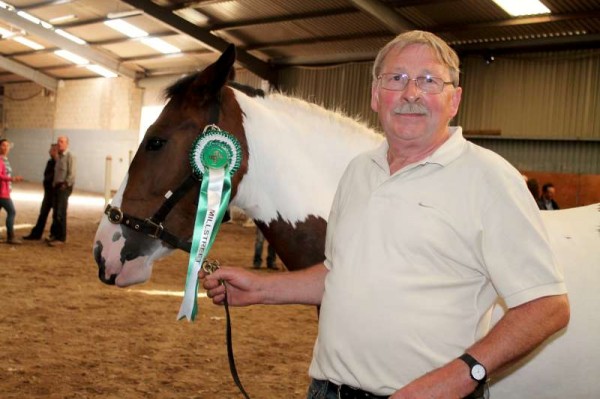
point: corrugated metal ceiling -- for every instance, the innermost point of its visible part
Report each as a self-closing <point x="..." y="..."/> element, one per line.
<point x="269" y="34"/>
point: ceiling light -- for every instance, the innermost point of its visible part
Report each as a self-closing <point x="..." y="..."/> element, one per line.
<point x="102" y="71"/>
<point x="124" y="14"/>
<point x="69" y="36"/>
<point x="29" y="43"/>
<point x="28" y="17"/>
<point x="125" y="28"/>
<point x="74" y="58"/>
<point x="5" y="33"/>
<point x="522" y="7"/>
<point x="4" y="5"/>
<point x="192" y="15"/>
<point x="161" y="45"/>
<point x="63" y="19"/>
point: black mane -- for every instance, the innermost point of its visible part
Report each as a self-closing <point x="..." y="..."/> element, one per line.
<point x="180" y="87"/>
<point x="247" y="90"/>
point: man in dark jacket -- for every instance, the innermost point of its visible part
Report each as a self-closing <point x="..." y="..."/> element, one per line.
<point x="38" y="229"/>
<point x="546" y="201"/>
<point x="64" y="179"/>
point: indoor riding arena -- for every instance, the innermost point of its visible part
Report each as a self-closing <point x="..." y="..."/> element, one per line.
<point x="162" y="115"/>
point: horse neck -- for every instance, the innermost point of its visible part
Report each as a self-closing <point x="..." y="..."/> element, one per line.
<point x="297" y="154"/>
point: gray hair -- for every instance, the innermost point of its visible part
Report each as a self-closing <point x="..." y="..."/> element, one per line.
<point x="443" y="52"/>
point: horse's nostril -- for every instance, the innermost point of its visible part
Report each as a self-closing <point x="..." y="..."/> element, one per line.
<point x="102" y="277"/>
<point x="100" y="261"/>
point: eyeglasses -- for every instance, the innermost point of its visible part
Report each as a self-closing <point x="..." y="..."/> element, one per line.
<point x="399" y="81"/>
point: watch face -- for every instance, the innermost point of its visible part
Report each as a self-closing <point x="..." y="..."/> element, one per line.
<point x="478" y="372"/>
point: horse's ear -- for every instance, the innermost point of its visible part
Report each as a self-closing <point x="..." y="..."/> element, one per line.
<point x="216" y="75"/>
<point x="224" y="70"/>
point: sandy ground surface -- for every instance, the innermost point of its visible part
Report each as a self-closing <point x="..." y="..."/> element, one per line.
<point x="63" y="334"/>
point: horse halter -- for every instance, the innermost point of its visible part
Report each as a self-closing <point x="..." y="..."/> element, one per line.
<point x="153" y="226"/>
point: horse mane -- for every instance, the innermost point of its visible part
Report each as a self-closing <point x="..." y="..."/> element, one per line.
<point x="308" y="145"/>
<point x="247" y="90"/>
<point x="179" y="88"/>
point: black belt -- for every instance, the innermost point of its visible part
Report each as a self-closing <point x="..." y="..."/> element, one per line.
<point x="348" y="392"/>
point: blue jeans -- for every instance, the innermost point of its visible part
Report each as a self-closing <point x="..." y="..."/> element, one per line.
<point x="11" y="212"/>
<point x="318" y="390"/>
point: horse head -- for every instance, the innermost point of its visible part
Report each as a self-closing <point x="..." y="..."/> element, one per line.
<point x="152" y="211"/>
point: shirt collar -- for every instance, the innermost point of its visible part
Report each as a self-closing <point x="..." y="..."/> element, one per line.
<point x="446" y="153"/>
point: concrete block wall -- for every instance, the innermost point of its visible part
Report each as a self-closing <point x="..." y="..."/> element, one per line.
<point x="28" y="106"/>
<point x="100" y="116"/>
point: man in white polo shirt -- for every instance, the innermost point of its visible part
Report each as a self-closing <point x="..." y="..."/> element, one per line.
<point x="424" y="234"/>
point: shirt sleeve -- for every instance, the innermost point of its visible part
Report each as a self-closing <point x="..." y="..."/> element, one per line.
<point x="516" y="248"/>
<point x="70" y="178"/>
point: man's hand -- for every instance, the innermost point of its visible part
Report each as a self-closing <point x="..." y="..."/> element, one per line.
<point x="242" y="289"/>
<point x="449" y="382"/>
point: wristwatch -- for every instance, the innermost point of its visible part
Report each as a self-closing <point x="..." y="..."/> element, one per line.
<point x="477" y="370"/>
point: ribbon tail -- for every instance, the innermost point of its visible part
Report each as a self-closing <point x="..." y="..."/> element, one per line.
<point x="214" y="199"/>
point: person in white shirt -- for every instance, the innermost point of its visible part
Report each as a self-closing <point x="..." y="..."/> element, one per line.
<point x="425" y="233"/>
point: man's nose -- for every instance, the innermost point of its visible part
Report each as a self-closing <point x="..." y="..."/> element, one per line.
<point x="411" y="90"/>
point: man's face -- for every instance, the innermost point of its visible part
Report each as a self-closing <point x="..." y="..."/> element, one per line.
<point x="53" y="151"/>
<point x="62" y="144"/>
<point x="549" y="193"/>
<point x="430" y="122"/>
<point x="4" y="148"/>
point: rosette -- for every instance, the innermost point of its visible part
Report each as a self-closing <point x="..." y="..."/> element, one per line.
<point x="215" y="149"/>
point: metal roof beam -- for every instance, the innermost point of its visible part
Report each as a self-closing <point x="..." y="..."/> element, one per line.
<point x="385" y="14"/>
<point x="29" y="73"/>
<point x="253" y="64"/>
<point x="46" y="3"/>
<point x="244" y="23"/>
<point x="538" y="19"/>
<point x="325" y="59"/>
<point x="317" y="40"/>
<point x="531" y="45"/>
<point x="95" y="56"/>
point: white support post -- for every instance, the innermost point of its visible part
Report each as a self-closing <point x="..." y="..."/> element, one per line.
<point x="107" y="179"/>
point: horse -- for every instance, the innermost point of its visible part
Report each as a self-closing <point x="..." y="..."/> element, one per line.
<point x="294" y="154"/>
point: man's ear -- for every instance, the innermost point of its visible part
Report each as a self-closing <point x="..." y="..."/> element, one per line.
<point x="455" y="100"/>
<point x="374" y="98"/>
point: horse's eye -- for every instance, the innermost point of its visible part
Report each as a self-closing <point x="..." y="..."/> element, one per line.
<point x="154" y="143"/>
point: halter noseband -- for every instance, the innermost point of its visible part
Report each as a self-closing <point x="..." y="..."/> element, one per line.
<point x="153" y="226"/>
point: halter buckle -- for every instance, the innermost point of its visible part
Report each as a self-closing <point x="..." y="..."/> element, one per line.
<point x="115" y="214"/>
<point x="158" y="228"/>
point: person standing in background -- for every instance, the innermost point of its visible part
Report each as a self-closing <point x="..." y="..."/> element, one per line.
<point x="546" y="201"/>
<point x="64" y="179"/>
<point x="38" y="230"/>
<point x="6" y="180"/>
<point x="258" y="249"/>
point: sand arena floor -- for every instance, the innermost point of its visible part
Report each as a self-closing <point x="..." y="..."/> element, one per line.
<point x="64" y="334"/>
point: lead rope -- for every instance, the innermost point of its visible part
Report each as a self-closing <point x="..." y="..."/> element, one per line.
<point x="209" y="266"/>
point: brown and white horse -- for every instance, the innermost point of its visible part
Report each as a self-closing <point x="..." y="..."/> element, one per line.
<point x="283" y="140"/>
<point x="294" y="153"/>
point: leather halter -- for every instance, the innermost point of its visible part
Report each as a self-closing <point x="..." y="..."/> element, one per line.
<point x="153" y="226"/>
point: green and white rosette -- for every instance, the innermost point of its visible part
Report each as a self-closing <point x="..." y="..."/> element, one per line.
<point x="215" y="155"/>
